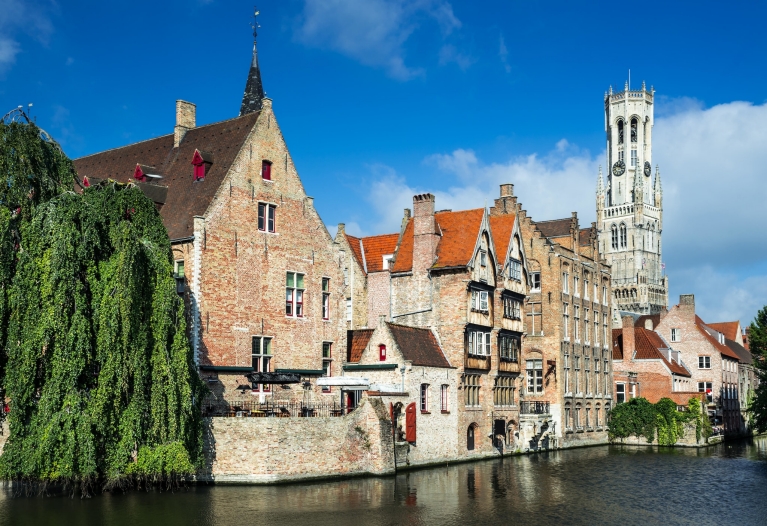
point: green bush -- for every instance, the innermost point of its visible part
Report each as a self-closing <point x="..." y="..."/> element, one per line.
<point x="638" y="417"/>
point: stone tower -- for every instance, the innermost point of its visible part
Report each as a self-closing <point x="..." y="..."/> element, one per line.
<point x="630" y="204"/>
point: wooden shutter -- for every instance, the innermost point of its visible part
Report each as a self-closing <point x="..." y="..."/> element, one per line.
<point x="410" y="422"/>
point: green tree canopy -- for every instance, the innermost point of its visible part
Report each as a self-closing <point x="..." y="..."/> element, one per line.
<point x="97" y="364"/>
<point x="757" y="343"/>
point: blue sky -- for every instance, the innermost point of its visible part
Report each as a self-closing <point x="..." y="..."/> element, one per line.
<point x="380" y="99"/>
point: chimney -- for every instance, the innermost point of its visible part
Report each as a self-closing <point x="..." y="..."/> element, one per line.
<point x="506" y="203"/>
<point x="186" y="115"/>
<point x="648" y="324"/>
<point x="687" y="304"/>
<point x="629" y="344"/>
<point x="507" y="190"/>
<point x="424" y="232"/>
<point x="341" y="228"/>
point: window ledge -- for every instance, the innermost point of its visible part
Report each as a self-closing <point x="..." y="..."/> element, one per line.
<point x="445" y="412"/>
<point x="425" y="412"/>
<point x="569" y="430"/>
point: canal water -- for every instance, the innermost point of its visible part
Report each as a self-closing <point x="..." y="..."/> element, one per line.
<point x="724" y="484"/>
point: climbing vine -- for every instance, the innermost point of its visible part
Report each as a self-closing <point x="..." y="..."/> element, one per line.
<point x="96" y="365"/>
<point x="638" y="417"/>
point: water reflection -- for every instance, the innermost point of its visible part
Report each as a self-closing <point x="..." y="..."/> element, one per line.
<point x="603" y="485"/>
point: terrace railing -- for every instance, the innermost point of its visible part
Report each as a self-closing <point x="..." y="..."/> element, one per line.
<point x="250" y="409"/>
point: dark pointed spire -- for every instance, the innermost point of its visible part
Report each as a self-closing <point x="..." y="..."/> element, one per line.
<point x="254" y="90"/>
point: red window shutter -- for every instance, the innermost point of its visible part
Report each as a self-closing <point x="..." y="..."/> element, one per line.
<point x="391" y="411"/>
<point x="410" y="422"/>
<point x="138" y="174"/>
<point x="382" y="353"/>
<point x="199" y="171"/>
<point x="266" y="170"/>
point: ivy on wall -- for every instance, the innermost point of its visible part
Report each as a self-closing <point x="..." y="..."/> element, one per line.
<point x="96" y="362"/>
<point x="639" y="418"/>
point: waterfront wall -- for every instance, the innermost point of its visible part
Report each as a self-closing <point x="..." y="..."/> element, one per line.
<point x="273" y="450"/>
<point x="688" y="439"/>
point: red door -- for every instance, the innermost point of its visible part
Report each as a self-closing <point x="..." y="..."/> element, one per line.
<point x="410" y="422"/>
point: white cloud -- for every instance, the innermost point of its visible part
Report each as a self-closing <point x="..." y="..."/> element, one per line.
<point x="448" y="53"/>
<point x="17" y="17"/>
<point x="713" y="168"/>
<point x="372" y="31"/>
<point x="503" y="52"/>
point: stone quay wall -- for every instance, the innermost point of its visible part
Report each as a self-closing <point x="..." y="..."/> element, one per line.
<point x="274" y="450"/>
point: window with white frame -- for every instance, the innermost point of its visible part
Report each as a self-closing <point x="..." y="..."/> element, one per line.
<point x="586" y="287"/>
<point x="620" y="392"/>
<point x="704" y="362"/>
<point x="444" y="392"/>
<point x="708" y="388"/>
<point x="604" y="330"/>
<point x="261" y="357"/>
<point x="596" y="329"/>
<point x="604" y="295"/>
<point x="566" y="320"/>
<point x="676" y="335"/>
<point x="535" y="282"/>
<point x="577" y="323"/>
<point x="479" y="301"/>
<point x="587" y="374"/>
<point x="512" y="308"/>
<point x="387" y="259"/>
<point x="325" y="298"/>
<point x="576" y="286"/>
<point x="424" y="398"/>
<point x="266" y="217"/>
<point x="478" y="342"/>
<point x="577" y="373"/>
<point x="482" y="265"/>
<point x="508" y="347"/>
<point x="566" y="283"/>
<point x="596" y="293"/>
<point x="586" y="327"/>
<point x="566" y="365"/>
<point x="327" y="363"/>
<point x="348" y="309"/>
<point x="515" y="270"/>
<point x="294" y="294"/>
<point x="535" y="376"/>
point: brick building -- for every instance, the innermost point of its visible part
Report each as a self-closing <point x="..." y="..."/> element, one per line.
<point x="645" y="365"/>
<point x="713" y="365"/>
<point x="568" y="315"/>
<point x="260" y="273"/>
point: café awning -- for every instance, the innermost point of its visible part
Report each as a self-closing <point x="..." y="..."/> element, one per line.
<point x="274" y="378"/>
<point x="347" y="382"/>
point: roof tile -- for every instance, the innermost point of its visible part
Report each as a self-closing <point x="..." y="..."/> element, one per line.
<point x="419" y="346"/>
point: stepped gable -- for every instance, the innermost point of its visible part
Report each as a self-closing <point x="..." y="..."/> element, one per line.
<point x="728" y="328"/>
<point x="555" y="227"/>
<point x="584" y="237"/>
<point x="723" y="349"/>
<point x="356" y="343"/>
<point x="418" y="346"/>
<point x="502" y="226"/>
<point x="185" y="198"/>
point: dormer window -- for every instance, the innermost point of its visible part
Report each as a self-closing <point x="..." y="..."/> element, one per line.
<point x="382" y="353"/>
<point x="266" y="170"/>
<point x="387" y="259"/>
<point x="201" y="162"/>
<point x="138" y="174"/>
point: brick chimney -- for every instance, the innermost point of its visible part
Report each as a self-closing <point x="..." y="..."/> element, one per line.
<point x="506" y="203"/>
<point x="629" y="343"/>
<point x="425" y="237"/>
<point x="186" y="116"/>
<point x="687" y="305"/>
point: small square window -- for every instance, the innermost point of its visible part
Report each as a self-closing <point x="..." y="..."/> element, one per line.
<point x="676" y="335"/>
<point x="266" y="170"/>
<point x="535" y="280"/>
<point x="704" y="362"/>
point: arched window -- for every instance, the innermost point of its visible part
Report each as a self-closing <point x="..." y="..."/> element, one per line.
<point x="623" y="235"/>
<point x="634" y="130"/>
<point x="470" y="435"/>
<point x="620" y="132"/>
<point x="614" y="231"/>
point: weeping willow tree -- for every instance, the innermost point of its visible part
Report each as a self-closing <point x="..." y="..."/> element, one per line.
<point x="96" y="364"/>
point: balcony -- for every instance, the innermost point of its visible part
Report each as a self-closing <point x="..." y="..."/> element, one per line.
<point x="477" y="361"/>
<point x="534" y="408"/>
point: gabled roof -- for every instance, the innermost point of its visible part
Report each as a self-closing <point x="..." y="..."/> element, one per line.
<point x="584" y="237"/>
<point x="458" y="231"/>
<point x="555" y="227"/>
<point x="354" y="243"/>
<point x="418" y="345"/>
<point x="356" y="342"/>
<point x="647" y="345"/>
<point x="502" y="226"/>
<point x="744" y="355"/>
<point x="723" y="349"/>
<point x="376" y="247"/>
<point x="185" y="198"/>
<point x="728" y="328"/>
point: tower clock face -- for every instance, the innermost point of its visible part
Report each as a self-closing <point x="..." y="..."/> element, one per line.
<point x="619" y="168"/>
<point x="647" y="169"/>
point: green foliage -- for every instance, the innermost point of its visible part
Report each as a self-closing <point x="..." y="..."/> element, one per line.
<point x="99" y="369"/>
<point x="757" y="342"/>
<point x="638" y="417"/>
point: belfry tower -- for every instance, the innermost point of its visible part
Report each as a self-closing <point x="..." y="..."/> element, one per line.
<point x="630" y="204"/>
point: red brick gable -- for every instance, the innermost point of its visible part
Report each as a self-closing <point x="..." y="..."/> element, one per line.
<point x="185" y="199"/>
<point x="723" y="349"/>
<point x="502" y="227"/>
<point x="647" y="347"/>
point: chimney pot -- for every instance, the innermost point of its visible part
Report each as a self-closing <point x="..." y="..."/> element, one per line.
<point x="507" y="190"/>
<point x="341" y="228"/>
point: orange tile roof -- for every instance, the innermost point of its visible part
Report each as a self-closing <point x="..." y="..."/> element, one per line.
<point x="502" y="226"/>
<point x="376" y="247"/>
<point x="356" y="342"/>
<point x="354" y="243"/>
<point x="723" y="349"/>
<point x="459" y="232"/>
<point x="728" y="328"/>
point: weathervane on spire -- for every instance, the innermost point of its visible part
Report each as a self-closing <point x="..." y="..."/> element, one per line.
<point x="255" y="25"/>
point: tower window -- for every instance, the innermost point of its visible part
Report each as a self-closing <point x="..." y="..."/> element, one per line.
<point x="620" y="132"/>
<point x="633" y="158"/>
<point x="623" y="235"/>
<point x="633" y="130"/>
<point x="614" y="231"/>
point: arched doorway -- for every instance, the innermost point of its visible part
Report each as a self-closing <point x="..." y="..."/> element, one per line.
<point x="470" y="436"/>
